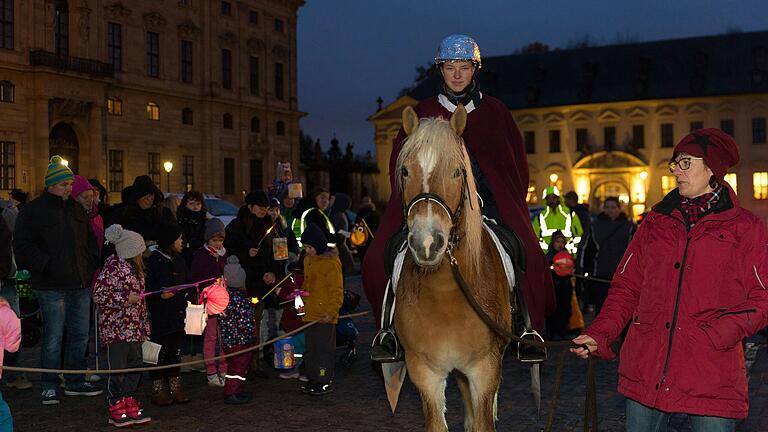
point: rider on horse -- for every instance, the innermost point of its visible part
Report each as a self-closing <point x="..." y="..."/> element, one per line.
<point x="500" y="168"/>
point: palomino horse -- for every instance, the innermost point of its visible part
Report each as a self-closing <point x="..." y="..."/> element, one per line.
<point x="438" y="328"/>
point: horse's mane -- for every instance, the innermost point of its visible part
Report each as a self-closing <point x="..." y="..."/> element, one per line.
<point x="439" y="141"/>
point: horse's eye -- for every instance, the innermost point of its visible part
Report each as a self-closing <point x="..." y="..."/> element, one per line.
<point x="404" y="172"/>
<point x="457" y="173"/>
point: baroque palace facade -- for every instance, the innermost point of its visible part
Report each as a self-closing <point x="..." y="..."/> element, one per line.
<point x="603" y="121"/>
<point x="119" y="87"/>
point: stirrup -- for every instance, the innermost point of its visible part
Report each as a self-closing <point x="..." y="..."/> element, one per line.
<point x="528" y="353"/>
<point x="386" y="349"/>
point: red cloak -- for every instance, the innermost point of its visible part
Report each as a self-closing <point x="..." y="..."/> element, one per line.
<point x="494" y="141"/>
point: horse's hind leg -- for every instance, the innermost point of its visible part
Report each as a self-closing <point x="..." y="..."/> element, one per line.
<point x="466" y="396"/>
<point x="484" y="380"/>
<point x="431" y="387"/>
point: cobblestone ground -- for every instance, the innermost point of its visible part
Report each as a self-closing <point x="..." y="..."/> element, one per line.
<point x="359" y="402"/>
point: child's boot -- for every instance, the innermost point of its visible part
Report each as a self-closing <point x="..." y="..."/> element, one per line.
<point x="176" y="393"/>
<point x="133" y="408"/>
<point x="160" y="396"/>
<point x="118" y="414"/>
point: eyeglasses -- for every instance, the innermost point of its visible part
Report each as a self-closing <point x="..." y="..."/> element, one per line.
<point x="684" y="163"/>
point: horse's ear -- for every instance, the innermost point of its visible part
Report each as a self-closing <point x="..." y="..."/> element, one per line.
<point x="410" y="120"/>
<point x="459" y="119"/>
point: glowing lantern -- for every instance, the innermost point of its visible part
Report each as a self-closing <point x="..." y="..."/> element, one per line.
<point x="563" y="263"/>
<point x="359" y="235"/>
<point x="216" y="297"/>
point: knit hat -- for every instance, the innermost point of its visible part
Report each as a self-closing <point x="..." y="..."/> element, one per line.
<point x="274" y="202"/>
<point x="19" y="195"/>
<point x="258" y="198"/>
<point x="167" y="234"/>
<point x="214" y="227"/>
<point x="57" y="172"/>
<point x="315" y="237"/>
<point x="80" y="185"/>
<point x="718" y="149"/>
<point x="128" y="244"/>
<point x="234" y="274"/>
<point x="142" y="186"/>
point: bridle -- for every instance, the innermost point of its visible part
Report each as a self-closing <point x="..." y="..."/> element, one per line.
<point x="453" y="215"/>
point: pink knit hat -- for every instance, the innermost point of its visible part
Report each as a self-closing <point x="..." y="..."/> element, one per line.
<point x="80" y="185"/>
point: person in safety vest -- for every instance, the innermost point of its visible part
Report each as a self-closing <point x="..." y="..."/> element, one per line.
<point x="499" y="164"/>
<point x="557" y="217"/>
<point x="312" y="209"/>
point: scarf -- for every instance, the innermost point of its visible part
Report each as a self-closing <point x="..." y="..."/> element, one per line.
<point x="693" y="209"/>
<point x="470" y="94"/>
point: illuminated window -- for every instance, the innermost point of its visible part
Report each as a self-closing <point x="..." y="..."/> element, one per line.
<point x="531" y="197"/>
<point x="667" y="184"/>
<point x="760" y="185"/>
<point x="153" y="111"/>
<point x="731" y="179"/>
<point x="115" y="106"/>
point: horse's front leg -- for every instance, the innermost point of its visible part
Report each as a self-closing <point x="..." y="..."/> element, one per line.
<point x="431" y="386"/>
<point x="466" y="396"/>
<point x="484" y="379"/>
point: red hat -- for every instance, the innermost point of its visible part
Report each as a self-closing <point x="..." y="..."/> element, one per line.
<point x="718" y="149"/>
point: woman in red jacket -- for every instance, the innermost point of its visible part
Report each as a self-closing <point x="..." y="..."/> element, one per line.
<point x="693" y="285"/>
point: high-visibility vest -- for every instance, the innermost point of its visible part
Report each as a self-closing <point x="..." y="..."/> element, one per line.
<point x="300" y="224"/>
<point x="545" y="235"/>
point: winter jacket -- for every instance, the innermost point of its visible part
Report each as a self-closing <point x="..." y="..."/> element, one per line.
<point x="324" y="283"/>
<point x="604" y="245"/>
<point x="340" y="222"/>
<point x="10" y="330"/>
<point x="244" y="233"/>
<point x="691" y="297"/>
<point x="118" y="320"/>
<point x="163" y="271"/>
<point x="6" y="252"/>
<point x="236" y="323"/>
<point x="206" y="265"/>
<point x="145" y="222"/>
<point x="51" y="240"/>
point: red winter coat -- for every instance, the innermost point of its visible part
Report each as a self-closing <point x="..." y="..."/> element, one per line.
<point x="493" y="140"/>
<point x="691" y="298"/>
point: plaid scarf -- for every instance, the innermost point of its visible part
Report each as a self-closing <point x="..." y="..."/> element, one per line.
<point x="693" y="209"/>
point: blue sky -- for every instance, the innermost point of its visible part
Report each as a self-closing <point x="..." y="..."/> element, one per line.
<point x="350" y="52"/>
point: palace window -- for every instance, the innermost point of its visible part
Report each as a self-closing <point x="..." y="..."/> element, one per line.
<point x="582" y="137"/>
<point x="226" y="121"/>
<point x="696" y="125"/>
<point x="255" y="124"/>
<point x="7" y="165"/>
<point x="758" y="130"/>
<point x="153" y="167"/>
<point x="668" y="183"/>
<point x="153" y="111"/>
<point x="187" y="116"/>
<point x="114" y="106"/>
<point x="638" y="136"/>
<point x="732" y="180"/>
<point x="115" y="182"/>
<point x="153" y="54"/>
<point x="279" y="81"/>
<point x="609" y="138"/>
<point x="229" y="176"/>
<point x="185" y="67"/>
<point x="61" y="28"/>
<point x="554" y="141"/>
<point x="726" y="125"/>
<point x="253" y="17"/>
<point x="188" y="172"/>
<point x="7" y="92"/>
<point x="115" y="46"/>
<point x="667" y="135"/>
<point x="760" y="185"/>
<point x="6" y="24"/>
<point x="253" y="75"/>
<point x="280" y="128"/>
<point x="530" y="142"/>
<point x="257" y="173"/>
<point x="226" y="8"/>
<point x="279" y="26"/>
<point x="226" y="68"/>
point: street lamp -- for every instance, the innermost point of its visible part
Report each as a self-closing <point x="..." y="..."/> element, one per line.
<point x="168" y="165"/>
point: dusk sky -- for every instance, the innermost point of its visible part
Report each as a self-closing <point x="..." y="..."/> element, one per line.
<point x="350" y="52"/>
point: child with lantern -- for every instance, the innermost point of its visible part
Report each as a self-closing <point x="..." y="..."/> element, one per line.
<point x="562" y="264"/>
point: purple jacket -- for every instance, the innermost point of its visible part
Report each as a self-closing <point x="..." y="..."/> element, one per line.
<point x="205" y="265"/>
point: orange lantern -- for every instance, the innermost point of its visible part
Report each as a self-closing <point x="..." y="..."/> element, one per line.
<point x="359" y="235"/>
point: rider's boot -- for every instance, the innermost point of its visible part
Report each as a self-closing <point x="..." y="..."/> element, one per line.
<point x="385" y="347"/>
<point x="522" y="325"/>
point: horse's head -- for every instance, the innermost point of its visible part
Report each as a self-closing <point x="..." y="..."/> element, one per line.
<point x="437" y="186"/>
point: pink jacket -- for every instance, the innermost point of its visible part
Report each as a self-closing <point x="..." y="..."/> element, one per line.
<point x="10" y="330"/>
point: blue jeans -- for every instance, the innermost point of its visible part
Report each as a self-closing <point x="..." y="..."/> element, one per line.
<point x="640" y="418"/>
<point x="70" y="309"/>
<point x="6" y="421"/>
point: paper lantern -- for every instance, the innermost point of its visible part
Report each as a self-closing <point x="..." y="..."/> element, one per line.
<point x="358" y="236"/>
<point x="563" y="263"/>
<point x="284" y="354"/>
<point x="216" y="297"/>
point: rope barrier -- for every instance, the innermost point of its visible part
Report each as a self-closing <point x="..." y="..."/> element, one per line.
<point x="156" y="368"/>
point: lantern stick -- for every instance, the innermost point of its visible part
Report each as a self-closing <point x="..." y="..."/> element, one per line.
<point x="256" y="300"/>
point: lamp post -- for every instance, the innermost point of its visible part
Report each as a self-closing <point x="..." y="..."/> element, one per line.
<point x="168" y="165"/>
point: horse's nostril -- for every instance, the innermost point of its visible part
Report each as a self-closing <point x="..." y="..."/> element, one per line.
<point x="439" y="242"/>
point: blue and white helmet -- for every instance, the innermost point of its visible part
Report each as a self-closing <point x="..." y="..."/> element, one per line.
<point x="459" y="47"/>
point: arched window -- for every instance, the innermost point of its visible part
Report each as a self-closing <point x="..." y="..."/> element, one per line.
<point x="227" y="121"/>
<point x="153" y="111"/>
<point x="187" y="117"/>
<point x="280" y="128"/>
<point x="255" y="124"/>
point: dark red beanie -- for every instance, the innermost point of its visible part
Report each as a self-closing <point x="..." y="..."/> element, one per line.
<point x="718" y="149"/>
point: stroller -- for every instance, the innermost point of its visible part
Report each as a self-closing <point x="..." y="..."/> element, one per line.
<point x="346" y="331"/>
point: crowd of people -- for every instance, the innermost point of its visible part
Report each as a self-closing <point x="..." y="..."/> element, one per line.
<point x="114" y="278"/>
